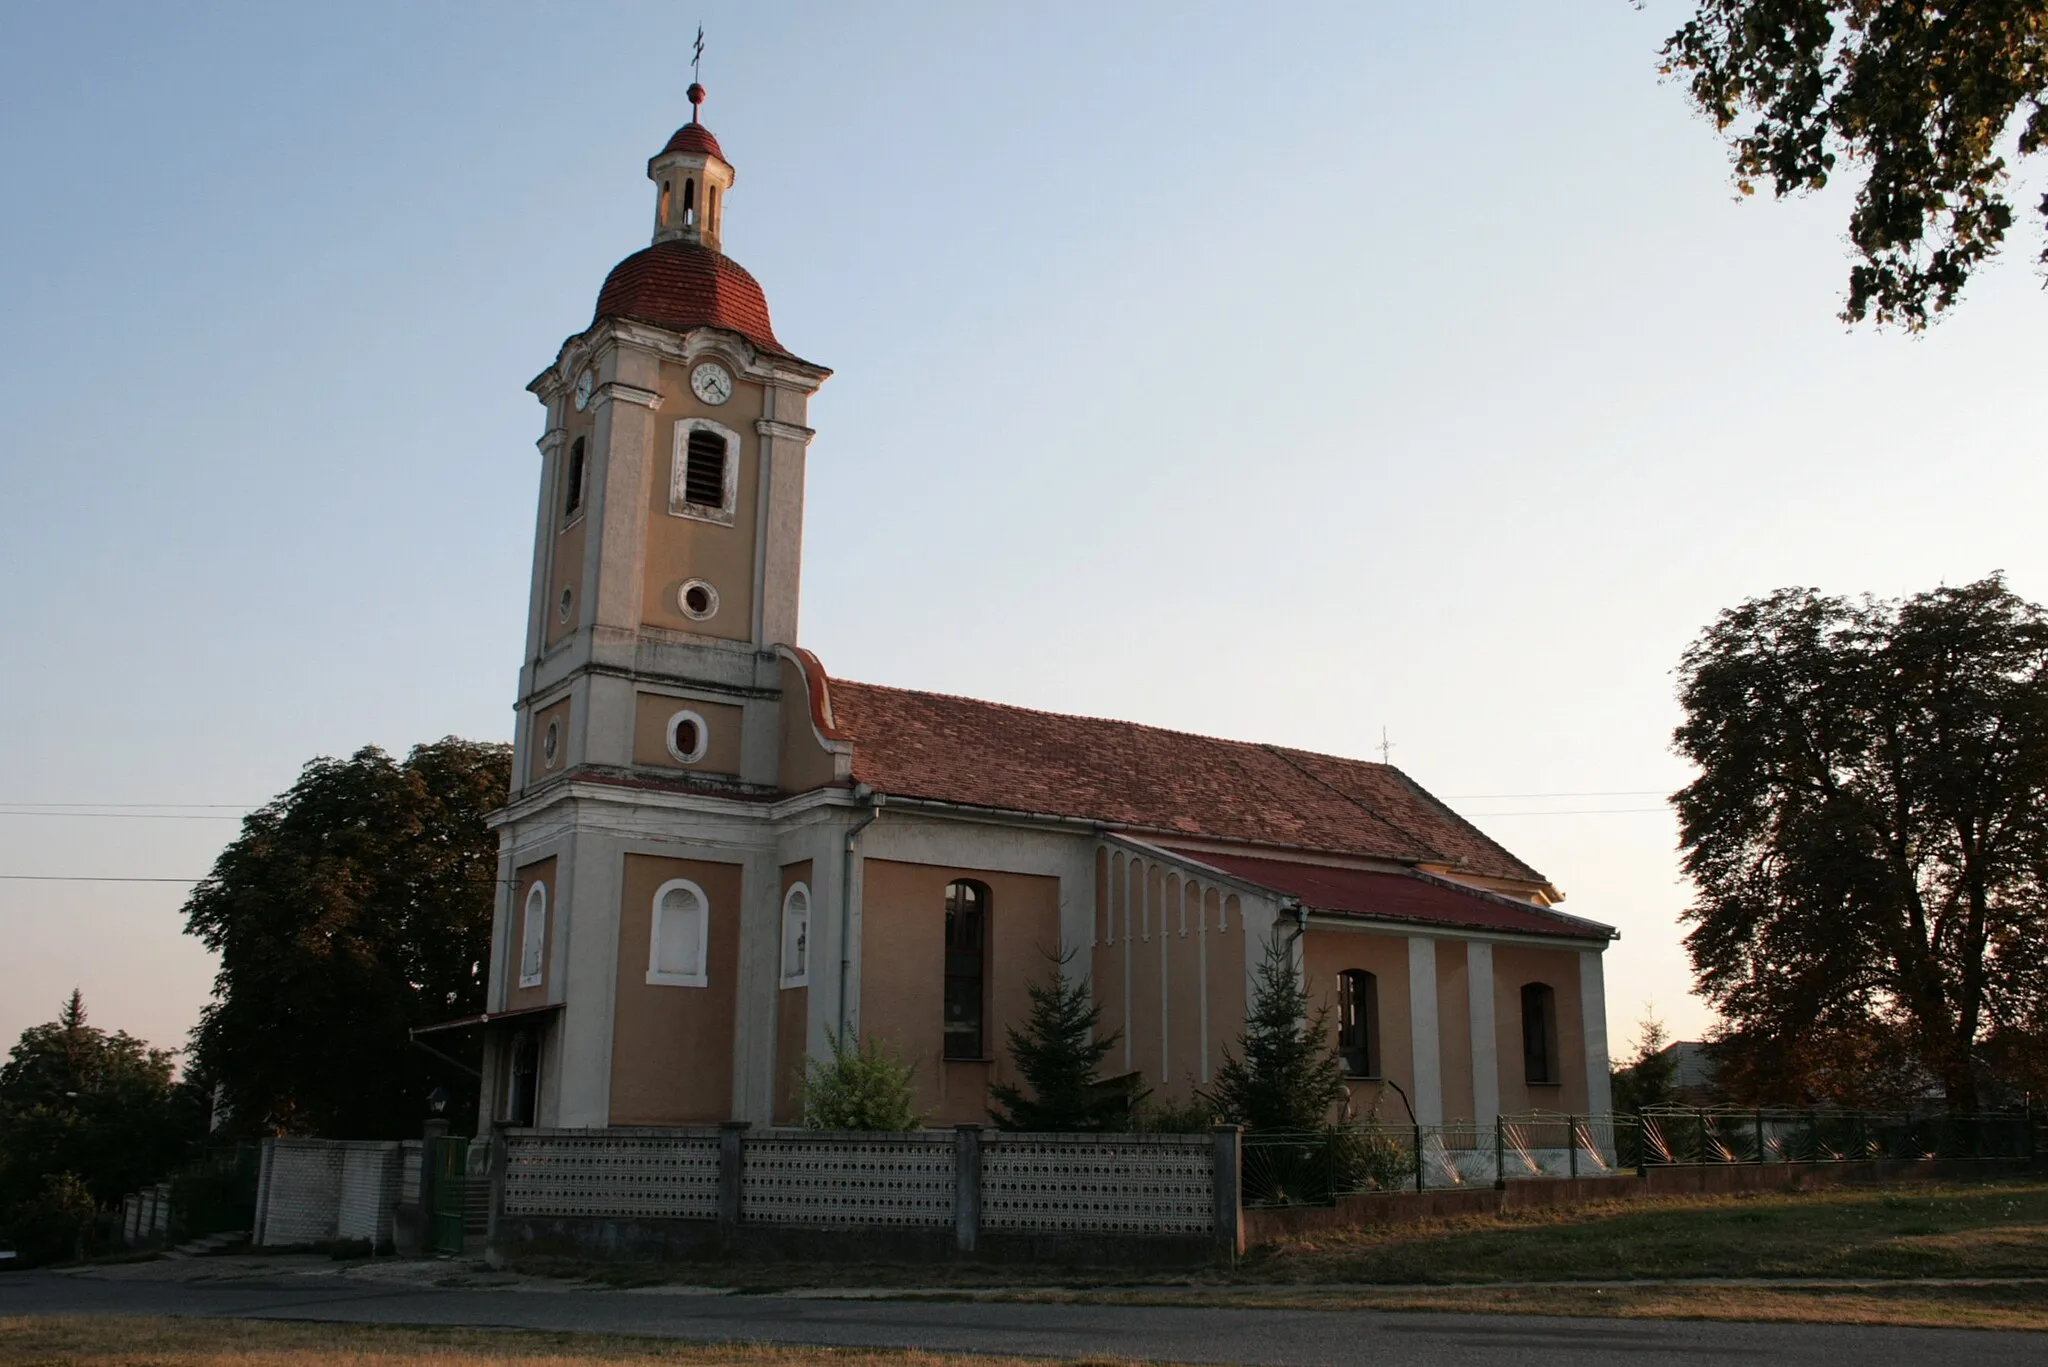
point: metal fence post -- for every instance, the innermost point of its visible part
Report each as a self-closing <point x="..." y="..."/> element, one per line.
<point x="967" y="1187"/>
<point x="1500" y="1162"/>
<point x="1702" y="1159"/>
<point x="1418" y="1158"/>
<point x="732" y="1157"/>
<point x="1229" y="1186"/>
<point x="1760" y="1138"/>
<point x="1571" y="1145"/>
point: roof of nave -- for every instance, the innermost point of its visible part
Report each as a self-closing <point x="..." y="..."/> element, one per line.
<point x="682" y="285"/>
<point x="1399" y="896"/>
<point x="1145" y="778"/>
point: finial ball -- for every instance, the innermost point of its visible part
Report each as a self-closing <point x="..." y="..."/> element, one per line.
<point x="696" y="93"/>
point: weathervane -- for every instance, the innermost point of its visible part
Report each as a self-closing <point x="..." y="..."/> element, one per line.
<point x="696" y="91"/>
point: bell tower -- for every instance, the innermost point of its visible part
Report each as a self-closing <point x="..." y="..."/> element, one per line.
<point x="667" y="547"/>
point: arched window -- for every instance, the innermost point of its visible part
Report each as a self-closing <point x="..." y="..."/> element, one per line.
<point x="689" y="200"/>
<point x="704" y="469"/>
<point x="533" y="933"/>
<point x="796" y="936"/>
<point x="680" y="935"/>
<point x="1539" y="1034"/>
<point x="665" y="193"/>
<point x="966" y="968"/>
<point x="1358" y="1022"/>
<point x="572" y="481"/>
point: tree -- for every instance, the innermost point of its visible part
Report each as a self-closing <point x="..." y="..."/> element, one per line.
<point x="350" y="909"/>
<point x="1645" y="1080"/>
<point x="1928" y="99"/>
<point x="1866" y="837"/>
<point x="85" y="1118"/>
<point x="1286" y="1074"/>
<point x="863" y="1086"/>
<point x="1059" y="1055"/>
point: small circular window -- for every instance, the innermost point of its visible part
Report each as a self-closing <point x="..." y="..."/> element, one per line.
<point x="697" y="599"/>
<point x="688" y="737"/>
<point x="551" y="743"/>
<point x="568" y="600"/>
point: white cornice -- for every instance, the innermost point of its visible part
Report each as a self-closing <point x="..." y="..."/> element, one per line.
<point x="625" y="393"/>
<point x="785" y="431"/>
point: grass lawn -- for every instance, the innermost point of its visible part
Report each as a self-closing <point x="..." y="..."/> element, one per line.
<point x="1886" y="1233"/>
<point x="120" y="1341"/>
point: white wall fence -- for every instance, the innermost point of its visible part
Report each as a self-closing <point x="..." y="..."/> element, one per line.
<point x="323" y="1191"/>
<point x="968" y="1180"/>
<point x="146" y="1215"/>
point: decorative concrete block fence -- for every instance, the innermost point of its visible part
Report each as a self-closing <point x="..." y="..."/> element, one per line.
<point x="968" y="1191"/>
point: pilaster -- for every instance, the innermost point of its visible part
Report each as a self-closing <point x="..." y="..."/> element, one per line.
<point x="587" y="876"/>
<point x="1423" y="1031"/>
<point x="1485" y="1039"/>
<point x="1593" y="1017"/>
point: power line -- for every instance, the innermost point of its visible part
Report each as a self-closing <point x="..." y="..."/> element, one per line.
<point x="1502" y="797"/>
<point x="84" y="878"/>
<point x="137" y="806"/>
<point x="129" y="816"/>
<point x="1558" y="811"/>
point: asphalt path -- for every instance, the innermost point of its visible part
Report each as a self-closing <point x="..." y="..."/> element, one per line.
<point x="1281" y="1338"/>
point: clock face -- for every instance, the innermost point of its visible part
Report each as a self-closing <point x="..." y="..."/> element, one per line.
<point x="585" y="383"/>
<point x="710" y="383"/>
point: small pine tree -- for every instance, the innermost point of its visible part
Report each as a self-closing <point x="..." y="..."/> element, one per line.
<point x="1058" y="1053"/>
<point x="863" y="1086"/>
<point x="1284" y="1076"/>
<point x="1646" y="1080"/>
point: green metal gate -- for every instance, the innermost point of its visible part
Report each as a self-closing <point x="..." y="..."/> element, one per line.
<point x="448" y="1162"/>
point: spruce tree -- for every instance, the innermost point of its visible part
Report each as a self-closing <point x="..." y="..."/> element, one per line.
<point x="1058" y="1053"/>
<point x="1286" y="1074"/>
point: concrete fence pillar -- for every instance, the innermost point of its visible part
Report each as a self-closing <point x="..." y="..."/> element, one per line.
<point x="494" y="1253"/>
<point x="967" y="1187"/>
<point x="263" y="1173"/>
<point x="732" y="1159"/>
<point x="1229" y="1152"/>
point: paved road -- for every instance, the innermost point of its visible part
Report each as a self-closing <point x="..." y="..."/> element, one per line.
<point x="1281" y="1338"/>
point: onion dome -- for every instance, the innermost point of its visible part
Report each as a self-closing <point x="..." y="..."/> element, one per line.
<point x="679" y="284"/>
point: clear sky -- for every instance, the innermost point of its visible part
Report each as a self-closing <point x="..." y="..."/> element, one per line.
<point x="1276" y="372"/>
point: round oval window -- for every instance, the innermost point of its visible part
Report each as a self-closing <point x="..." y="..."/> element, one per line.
<point x="568" y="597"/>
<point x="551" y="742"/>
<point x="697" y="599"/>
<point x="688" y="738"/>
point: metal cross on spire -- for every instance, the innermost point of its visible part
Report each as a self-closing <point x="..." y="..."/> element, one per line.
<point x="696" y="91"/>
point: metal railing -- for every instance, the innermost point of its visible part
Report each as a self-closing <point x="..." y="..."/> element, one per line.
<point x="1315" y="1167"/>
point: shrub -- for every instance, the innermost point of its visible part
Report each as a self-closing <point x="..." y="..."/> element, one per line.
<point x="861" y="1087"/>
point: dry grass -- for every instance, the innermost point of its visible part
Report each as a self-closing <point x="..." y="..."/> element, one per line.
<point x="1950" y="1231"/>
<point x="119" y="1341"/>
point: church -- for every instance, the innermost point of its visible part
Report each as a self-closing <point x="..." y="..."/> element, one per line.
<point x="716" y="856"/>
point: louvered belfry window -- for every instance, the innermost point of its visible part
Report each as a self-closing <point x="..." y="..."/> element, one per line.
<point x="704" y="472"/>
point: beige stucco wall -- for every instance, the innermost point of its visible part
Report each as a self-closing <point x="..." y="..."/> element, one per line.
<point x="538" y="766"/>
<point x="517" y="997"/>
<point x="792" y="1013"/>
<point x="1514" y="965"/>
<point x="684" y="548"/>
<point x="902" y="991"/>
<point x="1326" y="953"/>
<point x="650" y="733"/>
<point x="672" y="1047"/>
<point x="1454" y="1028"/>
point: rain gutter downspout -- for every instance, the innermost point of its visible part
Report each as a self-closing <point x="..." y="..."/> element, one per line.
<point x="873" y="800"/>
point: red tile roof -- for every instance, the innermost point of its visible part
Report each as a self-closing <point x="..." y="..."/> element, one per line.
<point x="1399" y="896"/>
<point x="682" y="285"/>
<point x="693" y="137"/>
<point x="1142" y="778"/>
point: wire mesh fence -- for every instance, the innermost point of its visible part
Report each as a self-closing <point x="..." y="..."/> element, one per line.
<point x="1315" y="1167"/>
